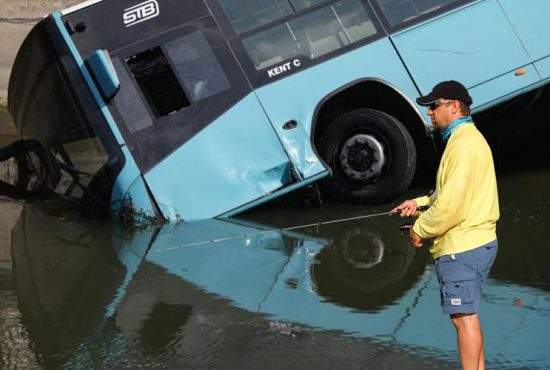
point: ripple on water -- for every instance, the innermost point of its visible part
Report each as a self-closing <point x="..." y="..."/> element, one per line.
<point x="15" y="348"/>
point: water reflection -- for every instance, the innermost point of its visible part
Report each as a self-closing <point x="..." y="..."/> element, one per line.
<point x="64" y="278"/>
<point x="360" y="270"/>
<point x="94" y="293"/>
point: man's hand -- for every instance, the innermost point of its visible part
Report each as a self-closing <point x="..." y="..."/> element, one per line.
<point x="415" y="239"/>
<point x="407" y="209"/>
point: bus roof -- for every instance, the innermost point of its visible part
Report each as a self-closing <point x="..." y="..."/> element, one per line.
<point x="79" y="6"/>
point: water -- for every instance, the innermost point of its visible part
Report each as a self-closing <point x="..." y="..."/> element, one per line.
<point x="83" y="292"/>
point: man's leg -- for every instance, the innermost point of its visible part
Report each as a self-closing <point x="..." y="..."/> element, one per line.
<point x="481" y="365"/>
<point x="470" y="341"/>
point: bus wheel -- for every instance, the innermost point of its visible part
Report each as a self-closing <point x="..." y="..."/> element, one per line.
<point x="371" y="154"/>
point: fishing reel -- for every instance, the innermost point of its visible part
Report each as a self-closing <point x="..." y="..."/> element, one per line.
<point x="406" y="227"/>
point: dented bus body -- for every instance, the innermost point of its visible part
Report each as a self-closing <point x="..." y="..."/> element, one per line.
<point x="196" y="109"/>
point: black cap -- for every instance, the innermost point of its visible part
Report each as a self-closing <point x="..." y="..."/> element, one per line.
<point x="452" y="90"/>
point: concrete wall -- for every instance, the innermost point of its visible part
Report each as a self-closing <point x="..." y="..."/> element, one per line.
<point x="6" y="127"/>
<point x="16" y="20"/>
<point x="9" y="213"/>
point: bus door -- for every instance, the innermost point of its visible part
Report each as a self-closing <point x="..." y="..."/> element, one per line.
<point x="530" y="20"/>
<point x="198" y="134"/>
<point x="469" y="41"/>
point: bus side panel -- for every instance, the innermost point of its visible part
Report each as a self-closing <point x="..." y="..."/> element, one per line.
<point x="543" y="67"/>
<point x="484" y="94"/>
<point x="297" y="144"/>
<point x="297" y="96"/>
<point x="235" y="160"/>
<point x="530" y="20"/>
<point x="472" y="45"/>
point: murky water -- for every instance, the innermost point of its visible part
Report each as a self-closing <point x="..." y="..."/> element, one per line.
<point x="245" y="294"/>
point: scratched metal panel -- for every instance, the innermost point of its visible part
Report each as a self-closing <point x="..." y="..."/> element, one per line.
<point x="471" y="45"/>
<point x="235" y="160"/>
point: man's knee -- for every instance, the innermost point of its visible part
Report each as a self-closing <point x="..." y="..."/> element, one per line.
<point x="464" y="320"/>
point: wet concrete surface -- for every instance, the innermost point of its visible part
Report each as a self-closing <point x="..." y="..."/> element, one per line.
<point x="243" y="293"/>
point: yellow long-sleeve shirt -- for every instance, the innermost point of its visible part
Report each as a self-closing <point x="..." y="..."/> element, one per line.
<point x="463" y="210"/>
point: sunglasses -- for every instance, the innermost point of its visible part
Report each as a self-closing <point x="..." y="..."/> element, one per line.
<point x="433" y="106"/>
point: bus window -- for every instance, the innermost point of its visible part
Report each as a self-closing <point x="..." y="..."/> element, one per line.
<point x="84" y="157"/>
<point x="398" y="12"/>
<point x="272" y="46"/>
<point x="355" y="20"/>
<point x="129" y="102"/>
<point x="65" y="122"/>
<point x="302" y="4"/>
<point x="197" y="66"/>
<point x="311" y="35"/>
<point x="245" y="15"/>
<point x="158" y="82"/>
<point x="172" y="87"/>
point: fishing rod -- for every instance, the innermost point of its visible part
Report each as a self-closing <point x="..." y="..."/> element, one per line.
<point x="371" y="215"/>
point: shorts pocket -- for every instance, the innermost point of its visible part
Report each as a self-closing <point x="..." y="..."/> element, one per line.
<point x="458" y="282"/>
<point x="456" y="293"/>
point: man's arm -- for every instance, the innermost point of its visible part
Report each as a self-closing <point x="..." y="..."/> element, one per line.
<point x="453" y="195"/>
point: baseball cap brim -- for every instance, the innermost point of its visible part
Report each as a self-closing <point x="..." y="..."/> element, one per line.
<point x="427" y="99"/>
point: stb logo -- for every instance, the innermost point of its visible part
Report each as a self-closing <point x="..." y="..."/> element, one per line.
<point x="140" y="12"/>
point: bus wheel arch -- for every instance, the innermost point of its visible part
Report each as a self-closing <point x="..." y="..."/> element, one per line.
<point x="382" y="104"/>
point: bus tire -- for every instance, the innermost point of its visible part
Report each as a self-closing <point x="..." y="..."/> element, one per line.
<point x="371" y="154"/>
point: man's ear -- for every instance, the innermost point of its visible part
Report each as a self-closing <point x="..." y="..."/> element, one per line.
<point x="456" y="106"/>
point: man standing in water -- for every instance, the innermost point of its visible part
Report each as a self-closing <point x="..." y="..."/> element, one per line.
<point x="461" y="216"/>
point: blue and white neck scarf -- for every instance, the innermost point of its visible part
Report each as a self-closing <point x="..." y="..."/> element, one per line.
<point x="447" y="131"/>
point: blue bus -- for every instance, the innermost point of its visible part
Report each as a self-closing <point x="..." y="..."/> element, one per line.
<point x="196" y="109"/>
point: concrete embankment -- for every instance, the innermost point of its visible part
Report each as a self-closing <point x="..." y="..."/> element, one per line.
<point x="14" y="345"/>
<point x="9" y="213"/>
<point x="9" y="210"/>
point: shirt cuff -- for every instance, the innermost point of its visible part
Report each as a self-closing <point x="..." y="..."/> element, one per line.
<point x="422" y="201"/>
<point x="418" y="230"/>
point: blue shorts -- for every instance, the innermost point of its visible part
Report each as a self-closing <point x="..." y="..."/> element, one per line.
<point x="461" y="277"/>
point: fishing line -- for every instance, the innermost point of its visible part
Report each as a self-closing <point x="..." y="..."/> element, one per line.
<point x="278" y="230"/>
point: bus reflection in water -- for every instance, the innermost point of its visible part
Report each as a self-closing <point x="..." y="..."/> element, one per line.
<point x="156" y="290"/>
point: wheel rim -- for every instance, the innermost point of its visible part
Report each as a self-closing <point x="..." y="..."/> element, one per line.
<point x="362" y="158"/>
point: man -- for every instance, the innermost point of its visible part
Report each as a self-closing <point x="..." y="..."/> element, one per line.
<point x="461" y="216"/>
